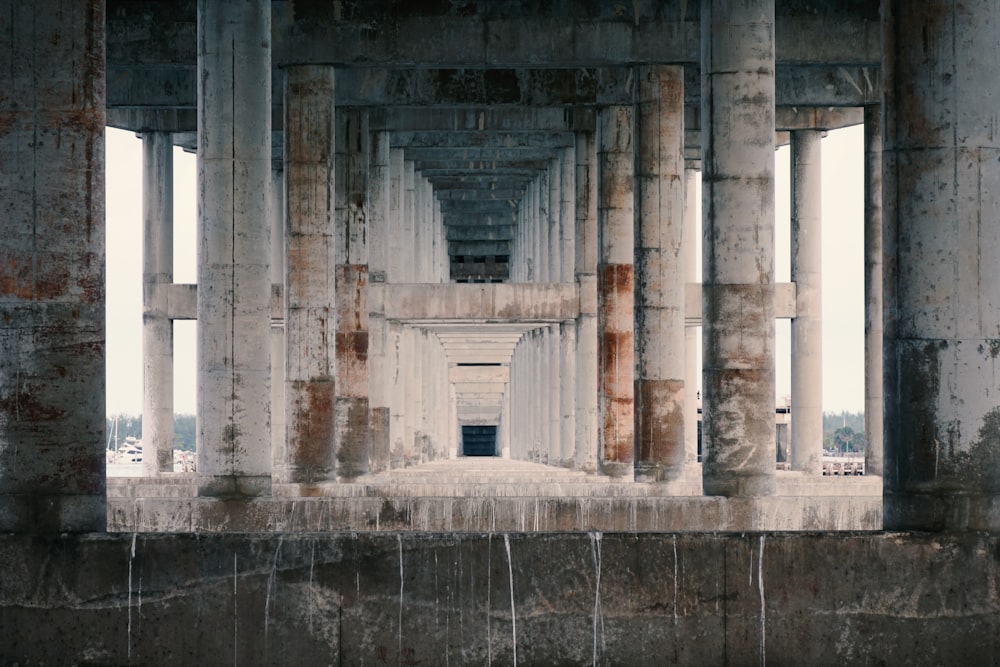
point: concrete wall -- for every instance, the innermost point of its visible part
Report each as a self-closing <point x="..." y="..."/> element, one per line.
<point x="629" y="599"/>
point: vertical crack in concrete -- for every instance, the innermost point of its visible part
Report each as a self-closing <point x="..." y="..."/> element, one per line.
<point x="510" y="576"/>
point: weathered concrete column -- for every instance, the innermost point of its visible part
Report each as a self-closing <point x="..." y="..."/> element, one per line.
<point x="412" y="409"/>
<point x="554" y="221"/>
<point x="505" y="421"/>
<point x="691" y="333"/>
<point x="397" y="391"/>
<point x="352" y="446"/>
<point x="410" y="254"/>
<point x="234" y="287"/>
<point x="157" y="328"/>
<point x="567" y="215"/>
<point x="659" y="275"/>
<point x="279" y="443"/>
<point x="615" y="289"/>
<point x="534" y="231"/>
<point x="874" y="395"/>
<point x="396" y="270"/>
<point x="420" y="228"/>
<point x="309" y="285"/>
<point x="807" y="325"/>
<point x="552" y="351"/>
<point x="567" y="392"/>
<point x="52" y="393"/>
<point x="587" y="412"/>
<point x="942" y="266"/>
<point x="737" y="87"/>
<point x="379" y="186"/>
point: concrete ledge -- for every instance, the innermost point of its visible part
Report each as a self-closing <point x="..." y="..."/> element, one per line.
<point x="597" y="598"/>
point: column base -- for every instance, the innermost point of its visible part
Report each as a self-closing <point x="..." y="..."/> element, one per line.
<point x="740" y="486"/>
<point x="656" y="472"/>
<point x="616" y="469"/>
<point x="234" y="486"/>
<point x="941" y="511"/>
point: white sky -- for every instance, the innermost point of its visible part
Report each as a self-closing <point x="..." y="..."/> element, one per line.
<point x="843" y="272"/>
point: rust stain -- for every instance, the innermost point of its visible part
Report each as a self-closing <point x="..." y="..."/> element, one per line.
<point x="659" y="421"/>
<point x="353" y="436"/>
<point x="310" y="439"/>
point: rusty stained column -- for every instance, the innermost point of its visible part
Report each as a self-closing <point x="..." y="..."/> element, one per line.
<point x="737" y="112"/>
<point x="379" y="187"/>
<point x="659" y="275"/>
<point x="352" y="444"/>
<point x="874" y="395"/>
<point x="234" y="286"/>
<point x="807" y="325"/>
<point x="691" y="333"/>
<point x="279" y="446"/>
<point x="309" y="281"/>
<point x="157" y="327"/>
<point x="554" y="235"/>
<point x="587" y="412"/>
<point x="941" y="170"/>
<point x="615" y="320"/>
<point x="52" y="389"/>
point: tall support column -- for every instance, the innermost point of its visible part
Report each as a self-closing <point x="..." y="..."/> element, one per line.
<point x="410" y="248"/>
<point x="567" y="392"/>
<point x="420" y="225"/>
<point x="587" y="412"/>
<point x="309" y="285"/>
<point x="52" y="321"/>
<point x="552" y="351"/>
<point x="505" y="422"/>
<point x="397" y="391"/>
<point x="691" y="333"/>
<point x="615" y="289"/>
<point x="453" y="426"/>
<point x="157" y="328"/>
<point x="942" y="266"/>
<point x="279" y="450"/>
<point x="396" y="270"/>
<point x="738" y="244"/>
<point x="378" y="267"/>
<point x="352" y="447"/>
<point x="412" y="414"/>
<point x="554" y="221"/>
<point x="659" y="269"/>
<point x="807" y="325"/>
<point x="874" y="395"/>
<point x="234" y="288"/>
<point x="567" y="214"/>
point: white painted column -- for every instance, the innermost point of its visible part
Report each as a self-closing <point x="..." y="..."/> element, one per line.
<point x="874" y="393"/>
<point x="659" y="275"/>
<point x="234" y="290"/>
<point x="587" y="413"/>
<point x="615" y="289"/>
<point x="807" y="325"/>
<point x="157" y="328"/>
<point x="737" y="126"/>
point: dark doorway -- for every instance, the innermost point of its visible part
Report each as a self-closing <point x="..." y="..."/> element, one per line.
<point x="479" y="440"/>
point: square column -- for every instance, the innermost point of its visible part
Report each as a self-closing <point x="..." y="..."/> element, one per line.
<point x="309" y="287"/>
<point x="234" y="287"/>
<point x="157" y="327"/>
<point x="555" y="221"/>
<point x="874" y="303"/>
<point x="615" y="289"/>
<point x="52" y="258"/>
<point x="737" y="124"/>
<point x="567" y="214"/>
<point x="587" y="412"/>
<point x="659" y="270"/>
<point x="379" y="190"/>
<point x="807" y="325"/>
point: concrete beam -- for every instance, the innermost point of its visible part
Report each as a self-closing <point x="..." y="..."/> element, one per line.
<point x="498" y="302"/>
<point x="469" y="233"/>
<point x="524" y="137"/>
<point x="479" y="248"/>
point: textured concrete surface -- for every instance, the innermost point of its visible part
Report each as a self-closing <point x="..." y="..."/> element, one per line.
<point x="501" y="598"/>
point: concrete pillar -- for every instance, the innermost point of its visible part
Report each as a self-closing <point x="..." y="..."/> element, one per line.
<point x="533" y="234"/>
<point x="874" y="395"/>
<point x="420" y="225"/>
<point x="941" y="170"/>
<point x="234" y="287"/>
<point x="379" y="190"/>
<point x="398" y="364"/>
<point x="157" y="328"/>
<point x="567" y="392"/>
<point x="553" y="447"/>
<point x="453" y="427"/>
<point x="279" y="449"/>
<point x="411" y="413"/>
<point x="351" y="436"/>
<point x="554" y="221"/>
<point x="659" y="275"/>
<point x="615" y="287"/>
<point x="52" y="321"/>
<point x="505" y="419"/>
<point x="567" y="214"/>
<point x="587" y="412"/>
<point x="310" y="240"/>
<point x="410" y="254"/>
<point x="738" y="244"/>
<point x="807" y="325"/>
<point x="397" y="269"/>
<point x="691" y="333"/>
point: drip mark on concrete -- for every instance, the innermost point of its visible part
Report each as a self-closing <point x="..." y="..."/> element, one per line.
<point x="399" y="636"/>
<point x="595" y="552"/>
<point x="510" y="575"/>
<point x="760" y="589"/>
<point x="130" y="559"/>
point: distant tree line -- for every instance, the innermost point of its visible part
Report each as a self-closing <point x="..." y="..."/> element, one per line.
<point x="844" y="432"/>
<point x="122" y="426"/>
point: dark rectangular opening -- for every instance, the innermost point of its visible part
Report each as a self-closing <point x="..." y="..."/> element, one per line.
<point x="479" y="440"/>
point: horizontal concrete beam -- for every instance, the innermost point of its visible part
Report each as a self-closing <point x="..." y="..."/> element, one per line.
<point x="492" y="233"/>
<point x="526" y="137"/>
<point x="784" y="302"/>
<point x="502" y="208"/>
<point x="460" y="218"/>
<point x="479" y="373"/>
<point x="508" y="167"/>
<point x="490" y="154"/>
<point x="479" y="248"/>
<point x="490" y="388"/>
<point x="498" y="302"/>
